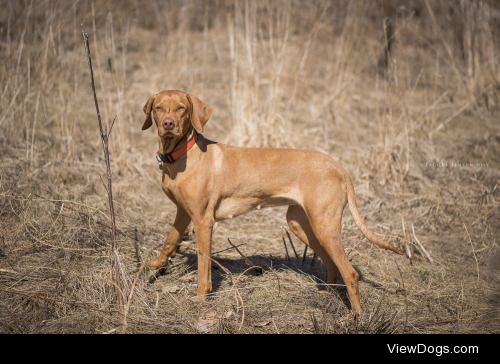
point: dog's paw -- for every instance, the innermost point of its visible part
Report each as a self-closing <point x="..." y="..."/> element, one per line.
<point x="154" y="274"/>
<point x="200" y="298"/>
<point x="157" y="267"/>
<point x="157" y="263"/>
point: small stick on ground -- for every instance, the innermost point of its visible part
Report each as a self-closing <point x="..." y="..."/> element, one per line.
<point x="286" y="248"/>
<point x="226" y="249"/>
<point x="304" y="255"/>
<point x="291" y="243"/>
<point x="420" y="246"/>
<point x="406" y="295"/>
<point x="137" y="248"/>
<point x="247" y="260"/>
<point x="239" y="299"/>
<point x="407" y="245"/>
<point x="257" y="270"/>
<point x="317" y="329"/>
<point x="473" y="251"/>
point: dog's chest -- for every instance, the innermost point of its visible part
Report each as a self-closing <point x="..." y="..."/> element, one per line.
<point x="172" y="188"/>
<point x="232" y="207"/>
<point x="184" y="189"/>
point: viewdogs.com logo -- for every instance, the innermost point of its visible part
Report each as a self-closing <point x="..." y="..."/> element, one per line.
<point x="444" y="163"/>
<point x="437" y="350"/>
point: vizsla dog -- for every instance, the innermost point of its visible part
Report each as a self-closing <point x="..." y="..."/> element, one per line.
<point x="209" y="181"/>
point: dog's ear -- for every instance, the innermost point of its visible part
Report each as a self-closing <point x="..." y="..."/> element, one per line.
<point x="200" y="112"/>
<point x="147" y="110"/>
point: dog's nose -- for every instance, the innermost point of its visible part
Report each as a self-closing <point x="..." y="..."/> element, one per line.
<point x="168" y="124"/>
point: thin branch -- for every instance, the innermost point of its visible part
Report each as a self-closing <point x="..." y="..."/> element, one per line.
<point x="226" y="249"/>
<point x="103" y="184"/>
<point x="473" y="251"/>
<point x="137" y="249"/>
<point x="104" y="141"/>
<point x="424" y="251"/>
<point x="291" y="243"/>
<point x="247" y="260"/>
<point x="406" y="295"/>
<point x="286" y="248"/>
<point x="111" y="127"/>
<point x="119" y="278"/>
<point x="406" y="241"/>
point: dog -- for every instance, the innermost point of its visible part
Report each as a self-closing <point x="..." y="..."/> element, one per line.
<point x="209" y="181"/>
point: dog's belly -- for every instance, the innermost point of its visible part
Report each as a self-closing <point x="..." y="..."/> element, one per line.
<point x="233" y="206"/>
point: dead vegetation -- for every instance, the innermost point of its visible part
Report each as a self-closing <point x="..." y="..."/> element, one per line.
<point x="405" y="94"/>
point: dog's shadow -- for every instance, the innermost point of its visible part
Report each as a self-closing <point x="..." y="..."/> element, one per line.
<point x="257" y="265"/>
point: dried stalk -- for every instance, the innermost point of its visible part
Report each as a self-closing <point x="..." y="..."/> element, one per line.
<point x="421" y="247"/>
<point x="119" y="279"/>
<point x="291" y="243"/>
<point x="246" y="259"/>
<point x="104" y="140"/>
<point x="286" y="248"/>
<point x="406" y="241"/>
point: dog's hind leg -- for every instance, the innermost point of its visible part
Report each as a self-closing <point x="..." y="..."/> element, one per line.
<point x="299" y="225"/>
<point x="324" y="212"/>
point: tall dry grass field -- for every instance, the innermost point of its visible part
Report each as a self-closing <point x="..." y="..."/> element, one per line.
<point x="405" y="94"/>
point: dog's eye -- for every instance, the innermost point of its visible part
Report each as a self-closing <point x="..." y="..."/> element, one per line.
<point x="180" y="108"/>
<point x="158" y="108"/>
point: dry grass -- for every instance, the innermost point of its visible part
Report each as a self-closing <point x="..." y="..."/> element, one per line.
<point x="417" y="126"/>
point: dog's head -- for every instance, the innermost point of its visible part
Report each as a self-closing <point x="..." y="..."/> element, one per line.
<point x="175" y="113"/>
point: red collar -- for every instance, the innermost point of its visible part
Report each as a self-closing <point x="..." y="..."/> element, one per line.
<point x="176" y="154"/>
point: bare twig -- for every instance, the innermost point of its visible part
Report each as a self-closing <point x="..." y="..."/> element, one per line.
<point x="111" y="127"/>
<point x="291" y="243"/>
<point x="304" y="255"/>
<point x="286" y="248"/>
<point x="131" y="293"/>
<point x="137" y="248"/>
<point x="237" y="295"/>
<point x="226" y="249"/>
<point x="473" y="251"/>
<point x="317" y="329"/>
<point x="406" y="295"/>
<point x="103" y="184"/>
<point x="247" y="260"/>
<point x="119" y="278"/>
<point x="104" y="141"/>
<point x="420" y="246"/>
<point x="407" y="245"/>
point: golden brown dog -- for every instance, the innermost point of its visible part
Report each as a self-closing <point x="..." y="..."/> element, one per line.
<point x="209" y="181"/>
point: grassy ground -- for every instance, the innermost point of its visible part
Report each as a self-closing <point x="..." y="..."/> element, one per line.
<point x="405" y="94"/>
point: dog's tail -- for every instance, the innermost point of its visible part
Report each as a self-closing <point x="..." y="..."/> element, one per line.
<point x="351" y="199"/>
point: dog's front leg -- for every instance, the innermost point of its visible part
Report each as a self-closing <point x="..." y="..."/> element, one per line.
<point x="172" y="240"/>
<point x="203" y="231"/>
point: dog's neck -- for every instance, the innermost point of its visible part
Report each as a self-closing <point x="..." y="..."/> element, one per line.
<point x="168" y="145"/>
<point x="175" y="149"/>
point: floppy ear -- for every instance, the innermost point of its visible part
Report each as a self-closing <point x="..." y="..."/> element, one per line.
<point x="200" y="113"/>
<point x="147" y="110"/>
